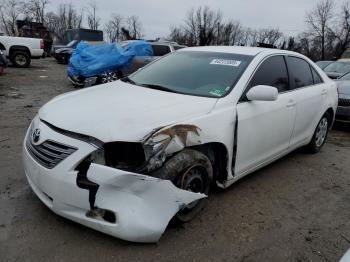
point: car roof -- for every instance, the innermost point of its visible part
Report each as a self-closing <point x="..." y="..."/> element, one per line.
<point x="240" y="50"/>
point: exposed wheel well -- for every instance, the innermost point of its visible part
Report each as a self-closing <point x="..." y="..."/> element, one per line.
<point x="218" y="156"/>
<point x="19" y="48"/>
<point x="2" y="47"/>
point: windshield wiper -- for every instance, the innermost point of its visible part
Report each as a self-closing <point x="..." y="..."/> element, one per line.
<point x="126" y="79"/>
<point x="158" y="87"/>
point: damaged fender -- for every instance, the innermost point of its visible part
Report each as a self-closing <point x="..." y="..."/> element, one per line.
<point x="143" y="205"/>
<point x="168" y="141"/>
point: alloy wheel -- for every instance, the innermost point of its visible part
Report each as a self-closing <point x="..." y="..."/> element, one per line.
<point x="321" y="132"/>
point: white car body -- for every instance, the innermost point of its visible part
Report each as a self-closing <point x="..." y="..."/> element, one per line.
<point x="253" y="134"/>
<point x="33" y="45"/>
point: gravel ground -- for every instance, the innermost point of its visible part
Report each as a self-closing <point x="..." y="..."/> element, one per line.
<point x="296" y="209"/>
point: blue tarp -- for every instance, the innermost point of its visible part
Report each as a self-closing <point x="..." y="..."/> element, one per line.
<point x="93" y="60"/>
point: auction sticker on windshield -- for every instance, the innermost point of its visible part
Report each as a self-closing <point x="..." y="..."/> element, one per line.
<point x="225" y="62"/>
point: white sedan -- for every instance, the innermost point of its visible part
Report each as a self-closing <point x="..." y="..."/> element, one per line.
<point x="126" y="157"/>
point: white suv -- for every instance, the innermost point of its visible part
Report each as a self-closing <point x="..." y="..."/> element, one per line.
<point x="125" y="157"/>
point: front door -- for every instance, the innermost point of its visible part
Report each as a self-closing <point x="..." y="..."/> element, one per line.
<point x="265" y="127"/>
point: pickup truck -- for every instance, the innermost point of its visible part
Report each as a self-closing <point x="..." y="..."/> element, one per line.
<point x="20" y="50"/>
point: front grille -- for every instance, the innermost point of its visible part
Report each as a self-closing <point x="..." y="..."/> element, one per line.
<point x="49" y="153"/>
<point x="344" y="102"/>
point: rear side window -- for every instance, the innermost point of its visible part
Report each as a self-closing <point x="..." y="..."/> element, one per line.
<point x="272" y="72"/>
<point x="301" y="72"/>
<point x="317" y="78"/>
<point x="160" y="50"/>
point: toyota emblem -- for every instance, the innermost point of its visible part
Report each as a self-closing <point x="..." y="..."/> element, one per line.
<point x="36" y="135"/>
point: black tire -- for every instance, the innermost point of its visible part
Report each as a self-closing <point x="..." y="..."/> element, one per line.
<point x="190" y="170"/>
<point x="320" y="134"/>
<point x="20" y="59"/>
<point x="66" y="60"/>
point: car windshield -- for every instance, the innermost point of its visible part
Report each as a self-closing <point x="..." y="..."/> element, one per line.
<point x="338" y="67"/>
<point x="345" y="77"/>
<point x="323" y="64"/>
<point x="209" y="74"/>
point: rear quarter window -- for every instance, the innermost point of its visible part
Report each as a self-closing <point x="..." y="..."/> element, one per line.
<point x="316" y="76"/>
<point x="301" y="72"/>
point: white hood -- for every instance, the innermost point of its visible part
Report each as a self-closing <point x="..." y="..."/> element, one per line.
<point x="121" y="112"/>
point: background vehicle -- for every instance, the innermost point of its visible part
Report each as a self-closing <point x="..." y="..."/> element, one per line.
<point x="337" y="69"/>
<point x="158" y="139"/>
<point x="345" y="56"/>
<point x="63" y="55"/>
<point x="343" y="111"/>
<point x="71" y="45"/>
<point x="74" y="36"/>
<point x="20" y="50"/>
<point x="3" y="62"/>
<point x="83" y="35"/>
<point x="159" y="49"/>
<point x="31" y="29"/>
<point x="323" y="64"/>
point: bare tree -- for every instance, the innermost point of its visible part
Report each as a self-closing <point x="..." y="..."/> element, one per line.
<point x="113" y="28"/>
<point x="319" y="20"/>
<point x="340" y="35"/>
<point x="92" y="19"/>
<point x="9" y="12"/>
<point x="270" y="36"/>
<point x="35" y="10"/>
<point x="134" y="26"/>
<point x="66" y="17"/>
<point x="203" y="25"/>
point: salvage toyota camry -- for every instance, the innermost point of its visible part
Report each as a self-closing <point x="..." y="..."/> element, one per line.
<point x="126" y="157"/>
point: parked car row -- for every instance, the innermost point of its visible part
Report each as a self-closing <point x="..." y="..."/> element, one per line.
<point x="339" y="71"/>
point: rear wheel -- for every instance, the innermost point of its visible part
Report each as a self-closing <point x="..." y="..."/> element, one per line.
<point x="320" y="134"/>
<point x="20" y="59"/>
<point x="190" y="170"/>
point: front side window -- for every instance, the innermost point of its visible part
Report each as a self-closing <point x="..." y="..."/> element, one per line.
<point x="301" y="72"/>
<point x="210" y="74"/>
<point x="272" y="72"/>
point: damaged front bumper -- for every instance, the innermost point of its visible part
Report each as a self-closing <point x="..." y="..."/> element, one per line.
<point x="141" y="206"/>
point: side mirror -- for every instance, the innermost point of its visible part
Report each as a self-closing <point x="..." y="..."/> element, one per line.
<point x="262" y="93"/>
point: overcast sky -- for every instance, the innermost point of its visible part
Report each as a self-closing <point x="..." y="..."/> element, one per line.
<point x="158" y="16"/>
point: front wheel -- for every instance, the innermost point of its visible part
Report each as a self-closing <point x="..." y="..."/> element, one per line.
<point x="320" y="134"/>
<point x="20" y="59"/>
<point x="189" y="170"/>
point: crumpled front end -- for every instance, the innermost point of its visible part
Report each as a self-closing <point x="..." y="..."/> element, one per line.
<point x="124" y="204"/>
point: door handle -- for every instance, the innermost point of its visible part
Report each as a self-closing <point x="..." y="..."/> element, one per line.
<point x="291" y="103"/>
<point x="324" y="92"/>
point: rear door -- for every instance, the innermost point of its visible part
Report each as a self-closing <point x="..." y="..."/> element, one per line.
<point x="310" y="96"/>
<point x="265" y="127"/>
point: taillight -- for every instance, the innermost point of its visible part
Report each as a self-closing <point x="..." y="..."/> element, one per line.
<point x="42" y="45"/>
